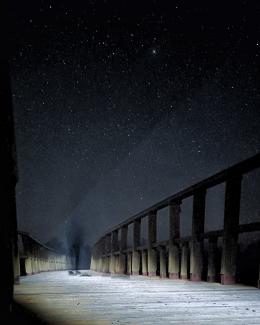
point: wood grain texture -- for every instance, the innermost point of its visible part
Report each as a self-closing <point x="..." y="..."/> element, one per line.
<point x="101" y="300"/>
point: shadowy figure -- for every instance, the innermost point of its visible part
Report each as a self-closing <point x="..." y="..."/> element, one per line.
<point x="76" y="253"/>
<point x="75" y="242"/>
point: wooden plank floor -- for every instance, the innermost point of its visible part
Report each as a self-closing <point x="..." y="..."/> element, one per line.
<point x="101" y="300"/>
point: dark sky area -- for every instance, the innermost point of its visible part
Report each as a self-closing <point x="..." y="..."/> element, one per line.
<point x="119" y="104"/>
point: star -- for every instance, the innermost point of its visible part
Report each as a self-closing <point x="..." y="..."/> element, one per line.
<point x="138" y="104"/>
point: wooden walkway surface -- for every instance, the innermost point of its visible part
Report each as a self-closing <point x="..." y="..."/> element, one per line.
<point x="60" y="298"/>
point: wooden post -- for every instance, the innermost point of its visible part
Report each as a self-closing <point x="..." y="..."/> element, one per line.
<point x="108" y="264"/>
<point x="108" y="251"/>
<point x="103" y="252"/>
<point x="108" y="243"/>
<point x="144" y="262"/>
<point x="123" y="239"/>
<point x="198" y="218"/>
<point x="259" y="279"/>
<point x="212" y="259"/>
<point x="136" y="243"/>
<point x="152" y="255"/>
<point x="99" y="254"/>
<point x="16" y="265"/>
<point x="230" y="233"/>
<point x="92" y="263"/>
<point x="114" y="249"/>
<point x="129" y="263"/>
<point x="103" y="264"/>
<point x="112" y="264"/>
<point x="115" y="241"/>
<point x="163" y="273"/>
<point x="8" y="229"/>
<point x="174" y="220"/>
<point x="174" y="233"/>
<point x="123" y="246"/>
<point x="184" y="260"/>
<point x="116" y="263"/>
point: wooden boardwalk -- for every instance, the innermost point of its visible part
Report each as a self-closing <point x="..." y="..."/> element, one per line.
<point x="60" y="298"/>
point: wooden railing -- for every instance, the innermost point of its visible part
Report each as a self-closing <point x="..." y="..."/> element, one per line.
<point x="181" y="257"/>
<point x="35" y="257"/>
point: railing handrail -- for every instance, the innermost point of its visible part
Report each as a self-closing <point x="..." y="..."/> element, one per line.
<point x="244" y="228"/>
<point x="235" y="170"/>
<point x="26" y="234"/>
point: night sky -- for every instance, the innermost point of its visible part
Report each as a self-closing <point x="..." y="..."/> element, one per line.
<point x="119" y="104"/>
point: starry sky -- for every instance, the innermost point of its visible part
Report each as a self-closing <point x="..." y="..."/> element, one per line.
<point x="119" y="104"/>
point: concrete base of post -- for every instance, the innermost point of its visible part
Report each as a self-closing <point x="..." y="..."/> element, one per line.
<point x="107" y="264"/>
<point x="174" y="276"/>
<point x="196" y="261"/>
<point x="121" y="264"/>
<point x="129" y="264"/>
<point x="151" y="273"/>
<point x="184" y="261"/>
<point x="152" y="262"/>
<point x="212" y="278"/>
<point x="195" y="277"/>
<point x="174" y="262"/>
<point x="228" y="279"/>
<point x="144" y="263"/>
<point x="212" y="259"/>
<point x="135" y="263"/>
<point x="163" y="273"/>
<point x="112" y="267"/>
